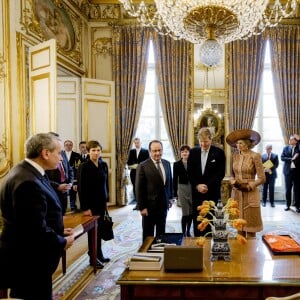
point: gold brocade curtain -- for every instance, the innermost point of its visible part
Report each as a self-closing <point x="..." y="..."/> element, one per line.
<point x="173" y="69"/>
<point x="285" y="57"/>
<point x="245" y="72"/>
<point x="130" y="58"/>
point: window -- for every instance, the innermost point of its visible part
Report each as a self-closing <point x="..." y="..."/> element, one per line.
<point x="151" y="124"/>
<point x="267" y="122"/>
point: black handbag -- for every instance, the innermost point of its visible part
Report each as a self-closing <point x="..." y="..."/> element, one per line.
<point x="105" y="228"/>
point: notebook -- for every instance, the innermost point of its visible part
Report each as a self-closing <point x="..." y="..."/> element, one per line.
<point x="183" y="258"/>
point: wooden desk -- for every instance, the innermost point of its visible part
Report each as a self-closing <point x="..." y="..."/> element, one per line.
<point x="253" y="273"/>
<point x="88" y="224"/>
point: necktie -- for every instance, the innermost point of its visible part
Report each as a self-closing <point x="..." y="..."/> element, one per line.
<point x="159" y="170"/>
<point x="62" y="172"/>
<point x="203" y="159"/>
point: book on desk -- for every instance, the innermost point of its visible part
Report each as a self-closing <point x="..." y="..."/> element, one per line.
<point x="146" y="261"/>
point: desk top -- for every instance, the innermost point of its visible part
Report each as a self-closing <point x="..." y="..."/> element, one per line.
<point x="74" y="219"/>
<point x="251" y="263"/>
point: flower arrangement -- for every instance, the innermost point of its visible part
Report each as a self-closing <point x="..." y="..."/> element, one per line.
<point x="219" y="217"/>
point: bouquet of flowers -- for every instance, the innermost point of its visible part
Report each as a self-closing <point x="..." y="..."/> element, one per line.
<point x="220" y="218"/>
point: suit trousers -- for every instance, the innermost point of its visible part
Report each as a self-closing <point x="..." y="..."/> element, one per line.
<point x="269" y="185"/>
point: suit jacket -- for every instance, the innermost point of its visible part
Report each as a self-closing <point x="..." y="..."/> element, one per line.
<point x="151" y="192"/>
<point x="133" y="159"/>
<point x="180" y="175"/>
<point x="74" y="162"/>
<point x="274" y="160"/>
<point x="213" y="174"/>
<point x="54" y="175"/>
<point x="93" y="186"/>
<point x="286" y="157"/>
<point x="32" y="226"/>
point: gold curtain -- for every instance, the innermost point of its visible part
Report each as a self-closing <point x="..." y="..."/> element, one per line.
<point x="130" y="58"/>
<point x="246" y="61"/>
<point x="285" y="57"/>
<point x="174" y="71"/>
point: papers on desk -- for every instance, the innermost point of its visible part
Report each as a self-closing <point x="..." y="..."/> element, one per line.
<point x="78" y="230"/>
<point x="160" y="247"/>
<point x="145" y="261"/>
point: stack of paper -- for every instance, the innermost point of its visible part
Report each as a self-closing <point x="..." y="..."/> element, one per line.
<point x="146" y="261"/>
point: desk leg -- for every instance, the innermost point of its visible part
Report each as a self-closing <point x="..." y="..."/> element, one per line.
<point x="94" y="231"/>
<point x="64" y="262"/>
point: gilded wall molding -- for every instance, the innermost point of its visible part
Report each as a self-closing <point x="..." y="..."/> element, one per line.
<point x="102" y="46"/>
<point x="2" y="67"/>
<point x="5" y="95"/>
<point x="46" y="19"/>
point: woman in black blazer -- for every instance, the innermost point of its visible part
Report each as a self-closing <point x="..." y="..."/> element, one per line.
<point x="93" y="192"/>
<point x="183" y="190"/>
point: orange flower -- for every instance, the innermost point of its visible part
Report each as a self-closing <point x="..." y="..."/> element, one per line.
<point x="204" y="211"/>
<point x="200" y="241"/>
<point x="241" y="239"/>
<point x="203" y="206"/>
<point x="238" y="223"/>
<point x="203" y="224"/>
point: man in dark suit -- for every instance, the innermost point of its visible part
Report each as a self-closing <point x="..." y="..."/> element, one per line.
<point x="61" y="179"/>
<point x="33" y="235"/>
<point x="206" y="170"/>
<point x="289" y="171"/>
<point x="136" y="156"/>
<point x="73" y="159"/>
<point x="154" y="190"/>
<point x="270" y="173"/>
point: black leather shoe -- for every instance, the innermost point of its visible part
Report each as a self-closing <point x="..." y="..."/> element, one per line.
<point x="104" y="259"/>
<point x="264" y="204"/>
<point x="272" y="205"/>
<point x="287" y="208"/>
<point x="99" y="264"/>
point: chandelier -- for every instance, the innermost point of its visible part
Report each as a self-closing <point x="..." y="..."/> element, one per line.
<point x="226" y="20"/>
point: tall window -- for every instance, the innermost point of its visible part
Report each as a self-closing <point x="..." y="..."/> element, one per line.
<point x="267" y="121"/>
<point x="151" y="124"/>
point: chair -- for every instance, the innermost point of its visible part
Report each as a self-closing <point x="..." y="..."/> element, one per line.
<point x="291" y="297"/>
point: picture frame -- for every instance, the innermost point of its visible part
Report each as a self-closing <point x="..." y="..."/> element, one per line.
<point x="209" y="118"/>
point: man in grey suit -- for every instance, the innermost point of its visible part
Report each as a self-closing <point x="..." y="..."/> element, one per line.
<point x="33" y="236"/>
<point x="206" y="170"/>
<point x="154" y="190"/>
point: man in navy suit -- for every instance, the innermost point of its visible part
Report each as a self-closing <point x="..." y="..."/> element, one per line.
<point x="154" y="190"/>
<point x="62" y="179"/>
<point x="33" y="236"/>
<point x="206" y="170"/>
<point x="271" y="175"/>
<point x="73" y="159"/>
<point x="136" y="156"/>
<point x="289" y="157"/>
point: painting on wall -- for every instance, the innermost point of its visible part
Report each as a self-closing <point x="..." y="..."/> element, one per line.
<point x="55" y="23"/>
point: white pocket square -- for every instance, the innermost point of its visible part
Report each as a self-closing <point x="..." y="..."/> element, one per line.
<point x="213" y="160"/>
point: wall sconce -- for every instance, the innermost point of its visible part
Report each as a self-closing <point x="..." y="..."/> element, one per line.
<point x="102" y="46"/>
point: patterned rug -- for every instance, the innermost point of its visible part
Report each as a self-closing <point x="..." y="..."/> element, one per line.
<point x="128" y="239"/>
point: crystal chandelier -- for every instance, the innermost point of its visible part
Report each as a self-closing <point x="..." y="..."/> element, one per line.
<point x="229" y="19"/>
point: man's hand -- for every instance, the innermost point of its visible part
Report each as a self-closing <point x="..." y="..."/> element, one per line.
<point x="202" y="188"/>
<point x="70" y="240"/>
<point x="144" y="212"/>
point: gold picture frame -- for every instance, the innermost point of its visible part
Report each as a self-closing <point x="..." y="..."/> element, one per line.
<point x="209" y="118"/>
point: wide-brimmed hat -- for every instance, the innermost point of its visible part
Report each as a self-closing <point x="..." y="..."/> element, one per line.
<point x="243" y="134"/>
